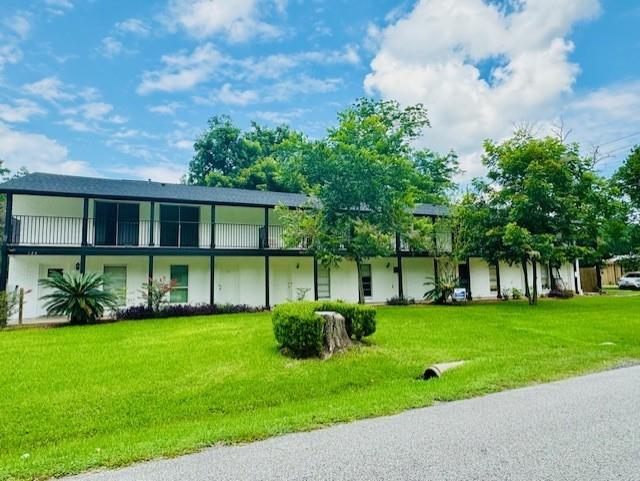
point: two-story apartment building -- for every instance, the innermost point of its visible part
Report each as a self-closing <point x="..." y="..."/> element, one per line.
<point x="220" y="245"/>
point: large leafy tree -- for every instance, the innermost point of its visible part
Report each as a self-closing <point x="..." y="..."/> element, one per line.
<point x="226" y="156"/>
<point x="628" y="176"/>
<point x="361" y="182"/>
<point x="541" y="201"/>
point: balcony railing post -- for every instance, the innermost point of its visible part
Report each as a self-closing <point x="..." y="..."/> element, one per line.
<point x="266" y="228"/>
<point x="85" y="220"/>
<point x="152" y="224"/>
<point x="213" y="227"/>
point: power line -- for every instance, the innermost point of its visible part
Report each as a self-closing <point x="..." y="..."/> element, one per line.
<point x="618" y="149"/>
<point x="620" y="138"/>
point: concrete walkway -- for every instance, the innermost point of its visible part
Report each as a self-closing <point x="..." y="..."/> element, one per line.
<point x="586" y="428"/>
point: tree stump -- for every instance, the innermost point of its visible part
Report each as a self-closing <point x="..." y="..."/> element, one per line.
<point x="335" y="333"/>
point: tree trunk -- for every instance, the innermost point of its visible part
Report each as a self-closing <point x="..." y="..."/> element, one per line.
<point x="534" y="297"/>
<point x="525" y="269"/>
<point x="360" y="286"/>
<point x="335" y="333"/>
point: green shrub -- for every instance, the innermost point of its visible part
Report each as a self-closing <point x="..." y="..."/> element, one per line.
<point x="360" y="320"/>
<point x="298" y="329"/>
<point x="4" y="309"/>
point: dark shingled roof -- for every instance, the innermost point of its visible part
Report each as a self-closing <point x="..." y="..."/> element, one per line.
<point x="75" y="186"/>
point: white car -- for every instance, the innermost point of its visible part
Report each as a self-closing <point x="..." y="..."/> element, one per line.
<point x="631" y="280"/>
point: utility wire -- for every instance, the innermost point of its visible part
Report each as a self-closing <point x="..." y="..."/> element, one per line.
<point x="620" y="138"/>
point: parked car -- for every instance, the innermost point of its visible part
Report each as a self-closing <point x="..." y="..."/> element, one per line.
<point x="631" y="280"/>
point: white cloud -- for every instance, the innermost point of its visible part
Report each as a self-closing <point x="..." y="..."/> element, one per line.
<point x="182" y="71"/>
<point x="227" y="95"/>
<point x="438" y="54"/>
<point x="21" y="110"/>
<point x="58" y="7"/>
<point x="90" y="117"/>
<point x="277" y="117"/>
<point x="15" y="29"/>
<point x="165" y="109"/>
<point x="9" y="54"/>
<point x="157" y="172"/>
<point x="276" y="65"/>
<point x="238" y="20"/>
<point x="38" y="153"/>
<point x="111" y="47"/>
<point x="608" y="117"/>
<point x="134" y="26"/>
<point x="301" y="85"/>
<point x="184" y="144"/>
<point x="49" y="88"/>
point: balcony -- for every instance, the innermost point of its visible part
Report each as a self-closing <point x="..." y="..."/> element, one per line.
<point x="67" y="231"/>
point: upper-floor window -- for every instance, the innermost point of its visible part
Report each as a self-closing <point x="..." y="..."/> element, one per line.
<point x="179" y="225"/>
<point x="117" y="223"/>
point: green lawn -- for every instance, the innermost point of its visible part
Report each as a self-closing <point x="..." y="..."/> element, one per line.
<point x="76" y="398"/>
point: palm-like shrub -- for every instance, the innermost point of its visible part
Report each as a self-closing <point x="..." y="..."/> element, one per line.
<point x="443" y="287"/>
<point x="79" y="297"/>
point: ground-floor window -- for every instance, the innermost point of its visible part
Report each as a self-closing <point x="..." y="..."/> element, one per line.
<point x="493" y="278"/>
<point x="180" y="291"/>
<point x="365" y="275"/>
<point x="117" y="282"/>
<point x="544" y="276"/>
<point x="54" y="271"/>
<point x="324" y="282"/>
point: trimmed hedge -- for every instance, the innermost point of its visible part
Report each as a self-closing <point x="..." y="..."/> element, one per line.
<point x="360" y="320"/>
<point x="299" y="330"/>
<point x="181" y="310"/>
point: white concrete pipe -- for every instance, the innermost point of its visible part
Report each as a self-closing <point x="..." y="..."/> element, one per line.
<point x="436" y="370"/>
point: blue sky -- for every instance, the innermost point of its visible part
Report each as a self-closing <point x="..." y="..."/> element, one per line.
<point x="120" y="88"/>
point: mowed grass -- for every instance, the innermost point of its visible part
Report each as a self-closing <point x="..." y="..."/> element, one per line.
<point x="76" y="398"/>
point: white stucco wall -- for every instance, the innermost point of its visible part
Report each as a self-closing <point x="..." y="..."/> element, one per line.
<point x="25" y="271"/>
<point x="416" y="272"/>
<point x="239" y="280"/>
<point x="286" y="275"/>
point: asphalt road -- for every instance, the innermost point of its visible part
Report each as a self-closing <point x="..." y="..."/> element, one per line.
<point x="586" y="428"/>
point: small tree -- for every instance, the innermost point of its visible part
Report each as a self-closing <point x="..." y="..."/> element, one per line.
<point x="155" y="291"/>
<point x="361" y="178"/>
<point x="79" y="297"/>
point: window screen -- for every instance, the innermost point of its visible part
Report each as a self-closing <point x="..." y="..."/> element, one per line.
<point x="180" y="291"/>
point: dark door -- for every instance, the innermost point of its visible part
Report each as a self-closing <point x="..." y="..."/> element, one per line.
<point x="106" y="218"/>
<point x="189" y="223"/>
<point x="169" y="225"/>
<point x="128" y="224"/>
<point x="463" y="276"/>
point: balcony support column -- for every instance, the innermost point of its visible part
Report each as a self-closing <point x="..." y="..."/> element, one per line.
<point x="149" y="280"/>
<point x="152" y="223"/>
<point x="4" y="268"/>
<point x="469" y="295"/>
<point x="267" y="301"/>
<point x="85" y="231"/>
<point x="212" y="279"/>
<point x="399" y="261"/>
